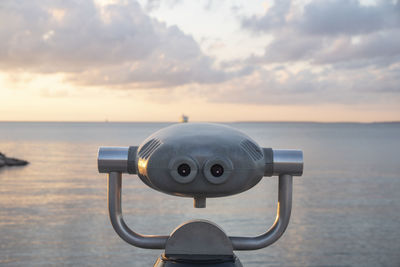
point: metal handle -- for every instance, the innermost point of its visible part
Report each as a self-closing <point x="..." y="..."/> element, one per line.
<point x="238" y="243"/>
<point x="117" y="220"/>
<point x="280" y="224"/>
<point x="115" y="161"/>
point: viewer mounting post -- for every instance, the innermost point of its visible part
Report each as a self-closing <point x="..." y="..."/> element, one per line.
<point x="200" y="160"/>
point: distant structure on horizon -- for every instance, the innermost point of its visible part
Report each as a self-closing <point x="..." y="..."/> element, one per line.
<point x="184" y="118"/>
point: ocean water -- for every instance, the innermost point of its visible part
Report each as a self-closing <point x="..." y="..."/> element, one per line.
<point x="346" y="206"/>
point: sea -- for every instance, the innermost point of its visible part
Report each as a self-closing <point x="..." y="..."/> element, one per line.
<point x="346" y="206"/>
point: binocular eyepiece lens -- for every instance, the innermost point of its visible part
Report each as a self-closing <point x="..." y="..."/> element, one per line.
<point x="184" y="170"/>
<point x="217" y="170"/>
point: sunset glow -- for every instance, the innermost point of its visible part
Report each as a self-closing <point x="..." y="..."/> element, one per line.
<point x="211" y="60"/>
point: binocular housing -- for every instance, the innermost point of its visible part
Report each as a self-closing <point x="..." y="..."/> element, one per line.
<point x="200" y="161"/>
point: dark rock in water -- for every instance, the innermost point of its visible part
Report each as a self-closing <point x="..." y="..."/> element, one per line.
<point x="15" y="162"/>
<point x="4" y="161"/>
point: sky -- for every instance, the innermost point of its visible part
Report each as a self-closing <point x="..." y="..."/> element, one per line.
<point x="213" y="60"/>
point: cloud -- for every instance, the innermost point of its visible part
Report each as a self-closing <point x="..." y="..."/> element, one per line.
<point x="381" y="47"/>
<point x="281" y="85"/>
<point x="272" y="20"/>
<point x="349" y="17"/>
<point x="112" y="44"/>
<point x="152" y="5"/>
<point x="321" y="52"/>
<point x="328" y="17"/>
<point x="342" y="32"/>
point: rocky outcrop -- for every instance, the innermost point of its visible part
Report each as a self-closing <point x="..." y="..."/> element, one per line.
<point x="5" y="161"/>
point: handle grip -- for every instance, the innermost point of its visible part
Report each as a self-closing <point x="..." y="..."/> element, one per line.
<point x="117" y="220"/>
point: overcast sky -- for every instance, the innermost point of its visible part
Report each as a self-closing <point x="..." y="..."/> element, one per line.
<point x="220" y="60"/>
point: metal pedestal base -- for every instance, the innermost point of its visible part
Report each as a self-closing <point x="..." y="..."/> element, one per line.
<point x="163" y="261"/>
<point x="198" y="243"/>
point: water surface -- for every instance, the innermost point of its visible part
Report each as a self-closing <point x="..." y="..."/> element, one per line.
<point x="346" y="209"/>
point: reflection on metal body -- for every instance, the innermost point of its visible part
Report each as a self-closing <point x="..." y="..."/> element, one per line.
<point x="187" y="160"/>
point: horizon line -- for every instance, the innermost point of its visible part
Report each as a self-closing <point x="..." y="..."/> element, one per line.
<point x="200" y="121"/>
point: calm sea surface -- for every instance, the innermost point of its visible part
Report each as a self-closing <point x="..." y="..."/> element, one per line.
<point x="346" y="209"/>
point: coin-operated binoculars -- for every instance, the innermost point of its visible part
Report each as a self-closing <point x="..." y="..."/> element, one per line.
<point x="200" y="161"/>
